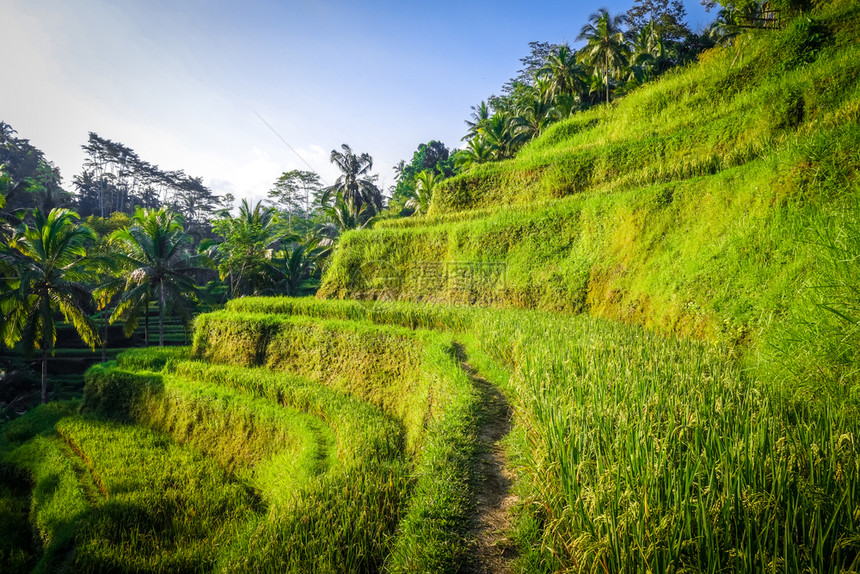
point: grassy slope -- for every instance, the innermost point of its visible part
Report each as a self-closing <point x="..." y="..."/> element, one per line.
<point x="363" y="465"/>
<point x="411" y="375"/>
<point x="684" y="206"/>
<point x="639" y="452"/>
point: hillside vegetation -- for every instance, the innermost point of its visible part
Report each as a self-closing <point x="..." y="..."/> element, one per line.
<point x="693" y="205"/>
<point x="350" y="452"/>
<point x="664" y="291"/>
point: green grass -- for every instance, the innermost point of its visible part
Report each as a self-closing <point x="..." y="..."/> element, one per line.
<point x="163" y="507"/>
<point x="633" y="451"/>
<point x="636" y="451"/>
<point x="355" y="446"/>
<point x="411" y="375"/>
<point x="108" y="496"/>
<point x="738" y="104"/>
<point x="683" y="207"/>
<point x="298" y="435"/>
<point x="658" y="454"/>
<point x="376" y="364"/>
<point x="271" y="447"/>
<point x="361" y="431"/>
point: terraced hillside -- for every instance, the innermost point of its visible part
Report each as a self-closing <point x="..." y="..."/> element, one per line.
<point x="306" y="435"/>
<point x="692" y="205"/>
<point x="276" y="443"/>
<point x="633" y="348"/>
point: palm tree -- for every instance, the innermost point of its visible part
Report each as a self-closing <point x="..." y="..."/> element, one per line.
<point x="606" y="48"/>
<point x="355" y="183"/>
<point x="563" y="73"/>
<point x="477" y="151"/>
<point x="398" y="170"/>
<point x="160" y="269"/>
<point x="343" y="216"/>
<point x="45" y="270"/>
<point x="534" y="115"/>
<point x="502" y="136"/>
<point x="249" y="241"/>
<point x="419" y="198"/>
<point x="480" y="116"/>
<point x="726" y="26"/>
<point x="294" y="264"/>
<point x="649" y="53"/>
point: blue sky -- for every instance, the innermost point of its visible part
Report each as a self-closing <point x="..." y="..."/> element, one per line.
<point x="182" y="82"/>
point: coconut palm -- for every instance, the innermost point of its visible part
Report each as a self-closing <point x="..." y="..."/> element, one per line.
<point x="534" y="115"/>
<point x="502" y="135"/>
<point x="343" y="216"/>
<point x="248" y="241"/>
<point x="564" y="74"/>
<point x="295" y="265"/>
<point x="355" y="183"/>
<point x="476" y="151"/>
<point x="480" y="116"/>
<point x="606" y="49"/>
<point x="45" y="270"/>
<point x="419" y="198"/>
<point x="649" y="53"/>
<point x="398" y="170"/>
<point x="159" y="267"/>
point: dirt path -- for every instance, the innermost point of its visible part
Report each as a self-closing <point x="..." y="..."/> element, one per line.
<point x="494" y="551"/>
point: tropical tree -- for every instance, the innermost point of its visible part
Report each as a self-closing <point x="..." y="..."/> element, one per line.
<point x="399" y="169"/>
<point x="45" y="270"/>
<point x="477" y="151"/>
<point x="534" y="115"/>
<point x="293" y="192"/>
<point x="666" y="17"/>
<point x="342" y="216"/>
<point x="563" y="73"/>
<point x="419" y="198"/>
<point x="159" y="267"/>
<point x="606" y="48"/>
<point x="479" y="118"/>
<point x="6" y="184"/>
<point x="650" y="53"/>
<point x="248" y="243"/>
<point x="295" y="265"/>
<point x="502" y="136"/>
<point x="355" y="184"/>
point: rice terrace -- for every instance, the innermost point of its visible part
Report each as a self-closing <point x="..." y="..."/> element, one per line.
<point x="617" y="331"/>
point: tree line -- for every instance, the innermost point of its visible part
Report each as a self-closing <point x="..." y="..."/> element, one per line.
<point x="135" y="238"/>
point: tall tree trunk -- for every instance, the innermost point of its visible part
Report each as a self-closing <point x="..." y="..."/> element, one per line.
<point x="161" y="315"/>
<point x="47" y="332"/>
<point x="45" y="370"/>
<point x="105" y="338"/>
<point x="606" y="77"/>
<point x="146" y="325"/>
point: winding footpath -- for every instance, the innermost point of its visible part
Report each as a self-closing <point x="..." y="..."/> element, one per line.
<point x="494" y="551"/>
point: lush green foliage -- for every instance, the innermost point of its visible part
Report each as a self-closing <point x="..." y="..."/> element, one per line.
<point x="631" y="446"/>
<point x="741" y="104"/>
<point x="297" y="435"/>
<point x="339" y="484"/>
<point x="683" y="207"/>
<point x="44" y="270"/>
<point x="160" y="269"/>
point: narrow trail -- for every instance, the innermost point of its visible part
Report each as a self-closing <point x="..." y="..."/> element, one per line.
<point x="91" y="484"/>
<point x="494" y="552"/>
